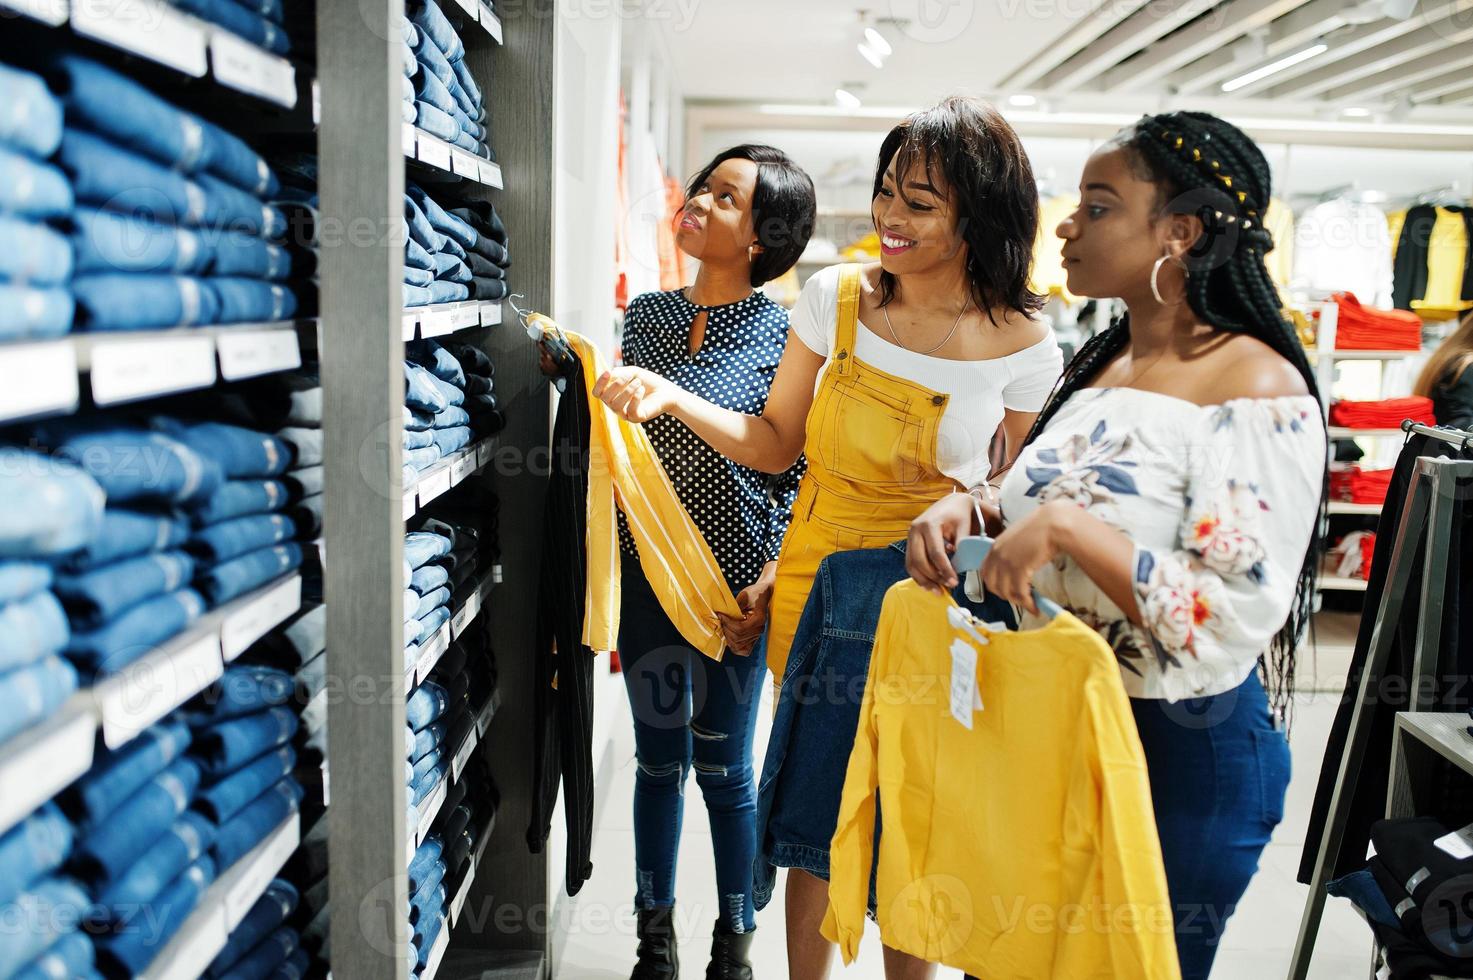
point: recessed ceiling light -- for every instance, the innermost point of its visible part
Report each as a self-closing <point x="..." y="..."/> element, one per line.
<point x="846" y="99"/>
<point x="877" y="42"/>
<point x="1356" y="112"/>
<point x="1023" y="101"/>
<point x="1274" y="67"/>
<point x="871" y="55"/>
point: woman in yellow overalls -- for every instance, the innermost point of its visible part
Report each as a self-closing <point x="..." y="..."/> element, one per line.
<point x="903" y="373"/>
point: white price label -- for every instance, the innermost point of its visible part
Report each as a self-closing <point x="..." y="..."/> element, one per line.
<point x="963" y="682"/>
<point x="128" y="369"/>
<point x="469" y="6"/>
<point x="411" y="321"/>
<point x="433" y="651"/>
<point x="433" y="483"/>
<point x="39" y="762"/>
<point x="248" y="353"/>
<point x="462" y="618"/>
<point x="143" y="692"/>
<point x="52" y="12"/>
<point x="483" y="722"/>
<point x="458" y="903"/>
<point x="436" y="321"/>
<point x="147" y="28"/>
<point x="429" y="810"/>
<point x="246" y="882"/>
<point x="462" y="466"/>
<point x="1458" y="844"/>
<point x="39" y="378"/>
<point x="409" y="137"/>
<point x="490" y="312"/>
<point x="316" y="102"/>
<point x="248" y="68"/>
<point x="484" y="454"/>
<point x="464" y="315"/>
<point x="259" y="616"/>
<point x="326" y="784"/>
<point x="433" y="151"/>
<point x="492" y="23"/>
<point x="491" y="174"/>
<point x="463" y="756"/>
<point x="465" y="164"/>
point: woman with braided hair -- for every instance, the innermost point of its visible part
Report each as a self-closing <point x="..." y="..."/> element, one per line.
<point x="1169" y="493"/>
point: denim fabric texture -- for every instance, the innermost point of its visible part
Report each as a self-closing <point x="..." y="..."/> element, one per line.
<point x="71" y="956"/>
<point x="53" y="506"/>
<point x="234" y="578"/>
<point x="134" y="464"/>
<point x="243" y="690"/>
<point x="130" y="950"/>
<point x="421" y="390"/>
<point x="430" y="623"/>
<point x="420" y="278"/>
<point x="489" y="288"/>
<point x="438" y="361"/>
<point x="426" y="705"/>
<point x="243" y="535"/>
<point x="50" y="909"/>
<point x="452" y="418"/>
<point x="429" y="602"/>
<point x="452" y="440"/>
<point x="416" y="256"/>
<point x="136" y="631"/>
<point x="239" y="498"/>
<point x="107" y="849"/>
<point x="428" y="578"/>
<point x="230" y="745"/>
<point x="412" y="295"/>
<point x="421" y="547"/>
<point x="34" y="847"/>
<point x="30" y="116"/>
<point x="95" y="597"/>
<point x="423" y="742"/>
<point x="31" y="188"/>
<point x="278" y="902"/>
<point x="304" y="444"/>
<point x="451" y="269"/>
<point x="125" y="533"/>
<point x="119" y="774"/>
<point x="452" y="395"/>
<point x="235" y="18"/>
<point x="254" y="300"/>
<point x="33" y="693"/>
<point x="31" y="628"/>
<point x="427" y="16"/>
<point x="234" y="793"/>
<point x="252" y="825"/>
<point x="267" y="958"/>
<point x="240" y="452"/>
<point x="32" y="253"/>
<point x="184" y="843"/>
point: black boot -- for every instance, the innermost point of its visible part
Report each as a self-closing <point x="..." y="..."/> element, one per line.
<point x="657" y="959"/>
<point x="729" y="955"/>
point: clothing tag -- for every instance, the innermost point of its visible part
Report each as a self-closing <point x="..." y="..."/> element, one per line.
<point x="1459" y="843"/>
<point x="964" y="697"/>
<point x="960" y="619"/>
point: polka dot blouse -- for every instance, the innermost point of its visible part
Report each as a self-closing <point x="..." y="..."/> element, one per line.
<point x="742" y="513"/>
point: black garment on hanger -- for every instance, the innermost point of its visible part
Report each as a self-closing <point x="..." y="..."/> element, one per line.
<point x="564" y="666"/>
<point x="1454" y="689"/>
<point x="1413" y="246"/>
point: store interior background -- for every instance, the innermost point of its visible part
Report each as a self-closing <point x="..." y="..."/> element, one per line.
<point x="1383" y="114"/>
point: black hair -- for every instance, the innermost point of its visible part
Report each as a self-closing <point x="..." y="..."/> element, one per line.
<point x="1206" y="166"/>
<point x="992" y="191"/>
<point x="783" y="206"/>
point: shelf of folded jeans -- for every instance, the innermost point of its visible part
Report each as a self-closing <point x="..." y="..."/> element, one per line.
<point x="1364" y="355"/>
<point x="1341" y="583"/>
<point x="437" y="955"/>
<point x="1345" y="507"/>
<point x="447" y="473"/>
<point x="439" y="319"/>
<point x="1444" y="732"/>
<point x="147" y="689"/>
<point x="223" y="906"/>
<point x="434" y="152"/>
<point x="1342" y="432"/>
<point x="161" y="33"/>
<point x="37" y="763"/>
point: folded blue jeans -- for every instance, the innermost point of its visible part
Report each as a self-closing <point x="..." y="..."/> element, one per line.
<point x="244" y="689"/>
<point x="124" y="533"/>
<point x="30" y="116"/>
<point x="241" y="452"/>
<point x="39" y="917"/>
<point x="452" y="247"/>
<point x="416" y="256"/>
<point x="233" y="794"/>
<point x="31" y="628"/>
<point x="230" y="745"/>
<point x="134" y="464"/>
<point x="427" y="16"/>
<point x="30" y="313"/>
<point x="238" y="20"/>
<point x="268" y="959"/>
<point x="412" y="296"/>
<point x="483" y="268"/>
<point x="420" y="278"/>
<point x="186" y="841"/>
<point x="114" y="105"/>
<point x="437" y="360"/>
<point x="73" y="955"/>
<point x="422" y="742"/>
<point x="118" y="775"/>
<point x="446" y="224"/>
<point x="123" y="301"/>
<point x="34" y="847"/>
<point x="452" y="440"/>
<point x="236" y="577"/>
<point x="443" y="291"/>
<point x="432" y="601"/>
<point x="240" y="498"/>
<point x="425" y="785"/>
<point x="436" y="122"/>
<point x="431" y="933"/>
<point x="426" y="764"/>
<point x="252" y="825"/>
<point x="242" y="535"/>
<point x="451" y="269"/>
<point x="33" y="253"/>
<point x="421" y="232"/>
<point x="426" y="705"/>
<point x="95" y="597"/>
<point x="253" y="300"/>
<point x="451" y="418"/>
<point x="427" y="903"/>
<point x="135" y="632"/>
<point x="106" y="241"/>
<point x="421" y="390"/>
<point x="421" y="547"/>
<point x="138" y="942"/>
<point x="489" y="288"/>
<point x="271" y="910"/>
<point x="429" y="89"/>
<point x="272" y="10"/>
<point x="106" y="850"/>
<point x="472" y="101"/>
<point x="31" y="188"/>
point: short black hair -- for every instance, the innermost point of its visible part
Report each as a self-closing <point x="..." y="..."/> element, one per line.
<point x="783" y="206"/>
<point x="992" y="191"/>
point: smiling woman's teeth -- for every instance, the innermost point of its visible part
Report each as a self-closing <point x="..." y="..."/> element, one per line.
<point x="891" y="241"/>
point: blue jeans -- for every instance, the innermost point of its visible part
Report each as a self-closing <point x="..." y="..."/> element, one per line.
<point x="451" y="247"/>
<point x="427" y="16"/>
<point x="272" y="10"/>
<point x="114" y="105"/>
<point x="449" y="226"/>
<point x="442" y="291"/>
<point x="427" y="903"/>
<point x="190" y="838"/>
<point x="489" y="288"/>
<point x="231" y="745"/>
<point x="133" y="634"/>
<point x="122" y="301"/>
<point x="421" y="743"/>
<point x="236" y="577"/>
<point x="472" y="102"/>
<point x="421" y="232"/>
<point x="450" y="393"/>
<point x="33" y="253"/>
<point x="108" y="176"/>
<point x="421" y="278"/>
<point x="429" y="89"/>
<point x="417" y="461"/>
<point x="435" y="122"/>
<point x="421" y="391"/>
<point x="430" y="602"/>
<point x="109" y="242"/>
<point x="32" y="848"/>
<point x="238" y="20"/>
<point x="451" y="269"/>
<point x="30" y="116"/>
<point x="28" y="313"/>
<point x="453" y="417"/>
<point x="483" y="268"/>
<point x="231" y="539"/>
<point x="452" y="440"/>
<point x="482" y="216"/>
<point x="137" y="942"/>
<point x="412" y="295"/>
<point x="231" y="795"/>
<point x="250" y="826"/>
<point x="689" y="712"/>
<point x="133" y="464"/>
<point x="428" y="578"/>
<point x="423" y="767"/>
<point x="430" y="623"/>
<point x="272" y="909"/>
<point x="425" y="546"/>
<point x="124" y="533"/>
<point x="305" y="444"/>
<point x="101" y="595"/>
<point x="244" y="689"/>
<point x="1219" y="772"/>
<point x="418" y="419"/>
<point x="106" y="849"/>
<point x="70" y="956"/>
<point x="254" y="300"/>
<point x="31" y="188"/>
<point x="45" y="912"/>
<point x="119" y="774"/>
<point x="30" y="628"/>
<point x="417" y="257"/>
<point x="32" y="693"/>
<point x="431" y="933"/>
<point x="438" y="361"/>
<point x="240" y="498"/>
<point x="268" y="957"/>
<point x="19" y="579"/>
<point x="426" y="705"/>
<point x="240" y="452"/>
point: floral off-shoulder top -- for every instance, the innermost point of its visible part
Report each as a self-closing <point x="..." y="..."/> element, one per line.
<point x="1220" y="501"/>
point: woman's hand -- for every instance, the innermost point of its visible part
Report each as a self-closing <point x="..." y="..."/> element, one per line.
<point x="1025" y="547"/>
<point x="635" y="394"/>
<point x="742" y="634"/>
<point x="545" y="362"/>
<point x="934" y="534"/>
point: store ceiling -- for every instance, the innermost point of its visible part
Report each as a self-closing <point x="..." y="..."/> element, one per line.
<point x="1384" y="61"/>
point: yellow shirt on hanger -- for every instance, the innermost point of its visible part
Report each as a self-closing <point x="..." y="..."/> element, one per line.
<point x="1279" y="222"/>
<point x="1447" y="255"/>
<point x="673" y="554"/>
<point x="1048" y="260"/>
<point x="1019" y="839"/>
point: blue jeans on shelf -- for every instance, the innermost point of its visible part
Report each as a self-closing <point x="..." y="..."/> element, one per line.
<point x="251" y="825"/>
<point x="240" y="498"/>
<point x="31" y="188"/>
<point x="119" y="774"/>
<point x="413" y="296"/>
<point x="30" y="116"/>
<point x="133" y="464"/>
<point x="453" y="417"/>
<point x="416" y="256"/>
<point x="426" y="784"/>
<point x="451" y="394"/>
<point x="118" y="107"/>
<point x="73" y="955"/>
<point x="467" y="92"/>
<point x="33" y="253"/>
<point x="431" y="933"/>
<point x="231" y="745"/>
<point x="452" y="247"/>
<point x="233" y="538"/>
<point x="408" y="113"/>
<point x="106" y="849"/>
<point x="254" y="300"/>
<point x="421" y="391"/>
<point x="272" y="909"/>
<point x="423" y="742"/>
<point x="446" y="224"/>
<point x="429" y="89"/>
<point x="451" y="269"/>
<point x="243" y="690"/>
<point x="34" y="847"/>
<point x="427" y="16"/>
<point x="267" y="959"/>
<point x="430" y="624"/>
<point x="231" y="795"/>
<point x="417" y="419"/>
<point x="435" y="122"/>
<point x="190" y="838"/>
<point x="122" y="301"/>
<point x="489" y="288"/>
<point x="452" y="440"/>
<point x="272" y="10"/>
<point x="427" y="903"/>
<point x="41" y="915"/>
<point x="124" y="533"/>
<point x="483" y="268"/>
<point x="134" y="633"/>
<point x="442" y="291"/>
<point x="425" y="546"/>
<point x="420" y="278"/>
<point x="420" y="230"/>
<point x="31" y="628"/>
<point x="426" y="705"/>
<point x="305" y="444"/>
<point x="428" y="578"/>
<point x="110" y="242"/>
<point x="438" y="361"/>
<point x="236" y="577"/>
<point x="240" y="452"/>
<point x="98" y="596"/>
<point x="109" y="176"/>
<point x="136" y="944"/>
<point x="238" y="20"/>
<point x="419" y="460"/>
<point x="411" y="603"/>
<point x="431" y="601"/>
<point x="423" y="862"/>
<point x="432" y="59"/>
<point x="424" y="766"/>
<point x="28" y="313"/>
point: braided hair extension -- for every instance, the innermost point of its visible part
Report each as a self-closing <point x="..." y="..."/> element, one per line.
<point x="1205" y="166"/>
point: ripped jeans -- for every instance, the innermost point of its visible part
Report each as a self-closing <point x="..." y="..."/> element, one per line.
<point x="690" y="712"/>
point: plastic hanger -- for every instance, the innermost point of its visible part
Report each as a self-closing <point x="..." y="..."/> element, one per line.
<point x="553" y="340"/>
<point x="973" y="549"/>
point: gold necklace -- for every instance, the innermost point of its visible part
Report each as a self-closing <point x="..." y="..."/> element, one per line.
<point x="886" y="311"/>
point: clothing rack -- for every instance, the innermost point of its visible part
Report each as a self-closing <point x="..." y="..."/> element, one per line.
<point x="1426" y="512"/>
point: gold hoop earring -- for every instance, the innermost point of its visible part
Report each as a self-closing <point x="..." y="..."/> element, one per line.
<point x="1156" y="272"/>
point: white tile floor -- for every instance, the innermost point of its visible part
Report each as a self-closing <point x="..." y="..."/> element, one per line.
<point x="1257" y="946"/>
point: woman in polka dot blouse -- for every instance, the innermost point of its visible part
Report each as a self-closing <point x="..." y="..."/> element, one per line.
<point x="747" y="218"/>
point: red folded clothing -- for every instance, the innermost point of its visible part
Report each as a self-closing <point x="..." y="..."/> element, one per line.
<point x="1370" y="328"/>
<point x="1385" y="414"/>
<point x="1360" y="486"/>
<point x="1367" y="552"/>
